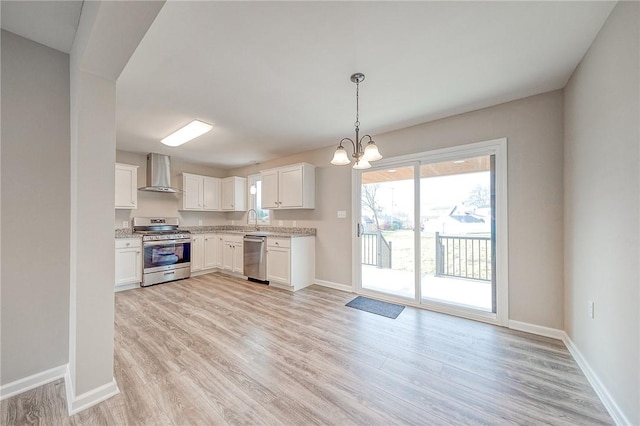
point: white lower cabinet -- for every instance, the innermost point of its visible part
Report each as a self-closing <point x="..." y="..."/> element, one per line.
<point x="291" y="262"/>
<point x="204" y="252"/>
<point x="279" y="265"/>
<point x="128" y="261"/>
<point x="210" y="251"/>
<point x="233" y="253"/>
<point x="197" y="252"/>
<point x="219" y="250"/>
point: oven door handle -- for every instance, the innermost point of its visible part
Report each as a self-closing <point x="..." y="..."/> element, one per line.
<point x="165" y="242"/>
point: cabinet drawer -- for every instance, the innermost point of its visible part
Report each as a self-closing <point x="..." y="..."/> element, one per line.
<point x="279" y="242"/>
<point x="128" y="242"/>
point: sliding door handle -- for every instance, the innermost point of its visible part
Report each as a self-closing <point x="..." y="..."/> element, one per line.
<point x="358" y="230"/>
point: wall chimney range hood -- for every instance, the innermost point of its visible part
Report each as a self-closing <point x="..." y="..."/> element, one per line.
<point x="158" y="174"/>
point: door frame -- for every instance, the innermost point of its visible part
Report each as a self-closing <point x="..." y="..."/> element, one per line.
<point x="497" y="147"/>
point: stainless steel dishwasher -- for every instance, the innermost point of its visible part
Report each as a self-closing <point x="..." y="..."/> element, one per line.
<point x="255" y="258"/>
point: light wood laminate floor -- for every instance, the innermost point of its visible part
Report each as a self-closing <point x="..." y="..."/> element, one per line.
<point x="219" y="350"/>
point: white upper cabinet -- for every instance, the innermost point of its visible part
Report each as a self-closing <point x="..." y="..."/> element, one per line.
<point x="234" y="193"/>
<point x="211" y="193"/>
<point x="126" y="186"/>
<point x="193" y="196"/>
<point x="200" y="192"/>
<point x="269" y="189"/>
<point x="290" y="187"/>
<point x="206" y="193"/>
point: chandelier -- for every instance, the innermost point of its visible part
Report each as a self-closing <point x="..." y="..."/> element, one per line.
<point x="361" y="155"/>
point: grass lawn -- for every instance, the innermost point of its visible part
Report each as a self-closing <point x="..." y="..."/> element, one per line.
<point x="402" y="254"/>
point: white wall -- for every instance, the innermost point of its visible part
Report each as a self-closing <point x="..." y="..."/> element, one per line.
<point x="601" y="207"/>
<point x="35" y="208"/>
<point x="534" y="130"/>
<point x="107" y="35"/>
<point x="93" y="255"/>
<point x="167" y="205"/>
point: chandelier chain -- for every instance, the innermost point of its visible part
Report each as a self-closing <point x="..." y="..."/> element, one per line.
<point x="357" y="123"/>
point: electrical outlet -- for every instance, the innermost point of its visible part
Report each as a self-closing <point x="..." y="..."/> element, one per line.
<point x="342" y="214"/>
<point x="295" y="223"/>
<point x="591" y="308"/>
<point x="199" y="222"/>
<point x="279" y="223"/>
<point x="125" y="223"/>
<point x="233" y="222"/>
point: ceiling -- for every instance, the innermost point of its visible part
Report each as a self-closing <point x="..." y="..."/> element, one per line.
<point x="428" y="170"/>
<point x="273" y="77"/>
<point x="52" y="23"/>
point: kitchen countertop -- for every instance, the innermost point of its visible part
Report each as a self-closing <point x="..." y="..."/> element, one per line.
<point x="269" y="231"/>
<point x="126" y="233"/>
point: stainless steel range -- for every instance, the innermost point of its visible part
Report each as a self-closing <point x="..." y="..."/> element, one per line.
<point x="167" y="250"/>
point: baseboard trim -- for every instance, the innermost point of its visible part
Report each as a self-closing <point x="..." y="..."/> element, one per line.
<point x="607" y="400"/>
<point x="31" y="382"/>
<point x="336" y="286"/>
<point x="90" y="398"/>
<point x="124" y="287"/>
<point x="614" y="410"/>
<point x="540" y="330"/>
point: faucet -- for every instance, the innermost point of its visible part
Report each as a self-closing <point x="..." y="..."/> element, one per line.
<point x="255" y="213"/>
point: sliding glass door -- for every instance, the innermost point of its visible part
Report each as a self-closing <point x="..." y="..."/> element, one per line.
<point x="456" y="232"/>
<point x="387" y="231"/>
<point x="426" y="231"/>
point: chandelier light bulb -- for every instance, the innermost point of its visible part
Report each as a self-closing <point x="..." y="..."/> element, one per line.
<point x="371" y="152"/>
<point x="340" y="157"/>
<point x="361" y="164"/>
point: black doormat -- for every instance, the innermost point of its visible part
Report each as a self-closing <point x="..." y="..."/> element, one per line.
<point x="377" y="307"/>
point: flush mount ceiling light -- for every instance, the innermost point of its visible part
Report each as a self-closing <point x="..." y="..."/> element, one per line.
<point x="362" y="155"/>
<point x="188" y="132"/>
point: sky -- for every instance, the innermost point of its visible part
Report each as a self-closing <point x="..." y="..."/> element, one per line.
<point x="441" y="191"/>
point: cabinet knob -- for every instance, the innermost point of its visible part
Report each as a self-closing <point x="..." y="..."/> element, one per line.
<point x="128" y="244"/>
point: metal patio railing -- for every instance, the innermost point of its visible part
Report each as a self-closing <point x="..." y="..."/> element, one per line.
<point x="463" y="256"/>
<point x="376" y="250"/>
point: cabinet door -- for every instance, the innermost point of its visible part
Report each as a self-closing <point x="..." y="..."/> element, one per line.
<point x="219" y="243"/>
<point x="128" y="266"/>
<point x="210" y="241"/>
<point x="211" y="193"/>
<point x="279" y="265"/>
<point x="290" y="187"/>
<point x="227" y="256"/>
<point x="238" y="258"/>
<point x="270" y="189"/>
<point x="227" y="190"/>
<point x="192" y="187"/>
<point x="197" y="253"/>
<point x="126" y="193"/>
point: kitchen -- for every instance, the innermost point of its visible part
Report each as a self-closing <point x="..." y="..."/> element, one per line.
<point x="165" y="248"/>
<point x="61" y="106"/>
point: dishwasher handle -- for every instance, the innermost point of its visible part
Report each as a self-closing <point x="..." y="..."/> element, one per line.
<point x="254" y="239"/>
